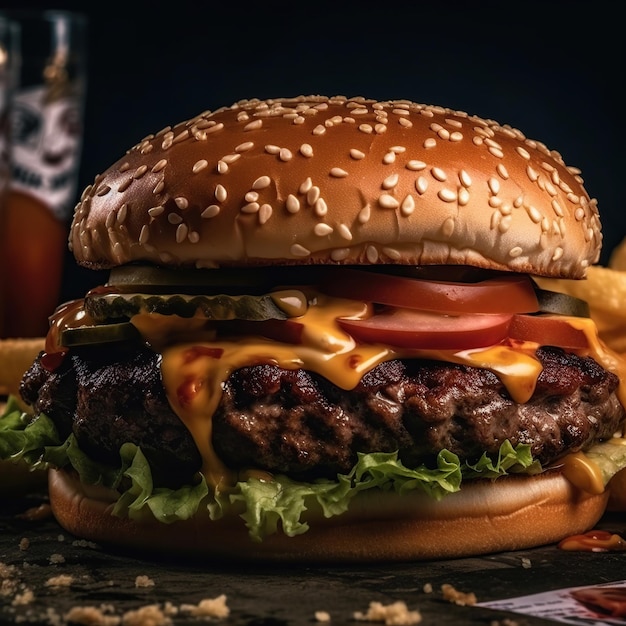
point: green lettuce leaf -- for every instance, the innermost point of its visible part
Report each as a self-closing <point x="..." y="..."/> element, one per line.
<point x="265" y="506"/>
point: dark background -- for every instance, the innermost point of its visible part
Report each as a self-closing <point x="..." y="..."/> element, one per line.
<point x="553" y="69"/>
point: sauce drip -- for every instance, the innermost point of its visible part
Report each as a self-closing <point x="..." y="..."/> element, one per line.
<point x="594" y="541"/>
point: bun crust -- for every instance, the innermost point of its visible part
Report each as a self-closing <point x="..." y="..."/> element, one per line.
<point x="514" y="513"/>
<point x="339" y="180"/>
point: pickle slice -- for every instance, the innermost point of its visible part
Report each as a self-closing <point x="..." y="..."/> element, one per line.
<point x="561" y="304"/>
<point x="104" y="333"/>
<point x="220" y="307"/>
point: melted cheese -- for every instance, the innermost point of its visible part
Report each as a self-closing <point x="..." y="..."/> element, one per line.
<point x="194" y="371"/>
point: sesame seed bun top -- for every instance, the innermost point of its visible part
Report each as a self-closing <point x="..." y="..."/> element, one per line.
<point x="339" y="180"/>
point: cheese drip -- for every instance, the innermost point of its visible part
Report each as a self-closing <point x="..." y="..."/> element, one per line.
<point x="194" y="371"/>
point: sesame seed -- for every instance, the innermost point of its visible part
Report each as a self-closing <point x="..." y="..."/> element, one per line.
<point x="534" y="214"/>
<point x="251" y="207"/>
<point x="312" y="195"/>
<point x="231" y="158"/>
<point x="181" y="203"/>
<point x="356" y="154"/>
<point x="110" y="219"/>
<point x="345" y="232"/>
<point x="366" y="128"/>
<point x="159" y="165"/>
<point x="532" y="174"/>
<point x="464" y="196"/>
<point x="245" y="146"/>
<point x="430" y="143"/>
<point x="465" y="179"/>
<point x="122" y="213"/>
<point x="158" y="188"/>
<point x="211" y="211"/>
<point x="558" y="253"/>
<point x="265" y="212"/>
<point x="408" y="205"/>
<point x="364" y="214"/>
<point x="222" y="167"/>
<point x="515" y="251"/>
<point x="392" y="253"/>
<point x="321" y="230"/>
<point x="220" y="193"/>
<point x="292" y="204"/>
<point x="338" y="172"/>
<point x="125" y="184"/>
<point x="103" y="190"/>
<point x="523" y="152"/>
<point x="372" y="254"/>
<point x="181" y="233"/>
<point x="415" y="166"/>
<point x="438" y="174"/>
<point x="306" y="150"/>
<point x="447" y="195"/>
<point x="124" y="167"/>
<point x="456" y="136"/>
<point x="253" y="125"/>
<point x="556" y="207"/>
<point x="502" y="171"/>
<point x="390" y="182"/>
<point x="339" y="254"/>
<point x="262" y="182"/>
<point x="320" y="129"/>
<point x="320" y="207"/>
<point x="155" y="211"/>
<point x="405" y="123"/>
<point x="174" y="218"/>
<point x="198" y="166"/>
<point x="388" y="202"/>
<point x="421" y="185"/>
<point x="579" y="214"/>
<point x="494" y="201"/>
<point x="251" y="196"/>
<point x="389" y="158"/>
<point x="306" y="185"/>
<point x="144" y="234"/>
<point x="494" y="185"/>
<point x="448" y="226"/>
<point x="184" y="134"/>
<point x="505" y="223"/>
<point x="298" y="250"/>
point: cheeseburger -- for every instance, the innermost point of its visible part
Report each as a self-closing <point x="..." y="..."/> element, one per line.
<point x="321" y="340"/>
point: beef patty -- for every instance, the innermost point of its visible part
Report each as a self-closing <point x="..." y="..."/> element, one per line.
<point x="298" y="423"/>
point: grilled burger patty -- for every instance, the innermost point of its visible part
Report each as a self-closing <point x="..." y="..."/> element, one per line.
<point x="297" y="423"/>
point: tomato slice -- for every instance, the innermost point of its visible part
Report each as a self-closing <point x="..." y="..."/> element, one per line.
<point x="504" y="294"/>
<point x="407" y="328"/>
<point x="547" y="330"/>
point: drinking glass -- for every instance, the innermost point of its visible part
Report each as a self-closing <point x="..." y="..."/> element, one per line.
<point x="46" y="132"/>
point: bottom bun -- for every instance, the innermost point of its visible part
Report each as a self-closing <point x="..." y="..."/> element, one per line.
<point x="484" y="517"/>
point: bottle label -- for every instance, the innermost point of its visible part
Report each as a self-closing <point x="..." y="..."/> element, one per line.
<point x="46" y="144"/>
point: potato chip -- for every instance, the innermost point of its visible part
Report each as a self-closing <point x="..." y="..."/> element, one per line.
<point x="604" y="290"/>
